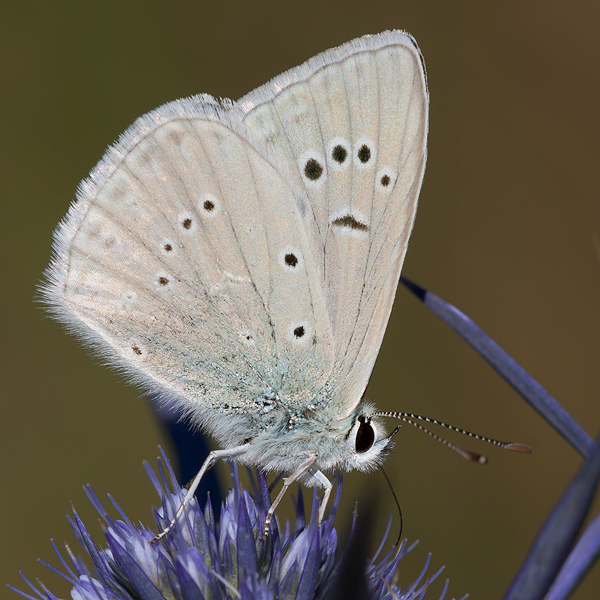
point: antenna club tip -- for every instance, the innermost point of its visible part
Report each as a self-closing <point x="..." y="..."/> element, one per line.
<point x="523" y="448"/>
<point x="482" y="460"/>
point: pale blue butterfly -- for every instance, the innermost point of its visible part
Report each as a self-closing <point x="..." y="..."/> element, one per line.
<point x="240" y="259"/>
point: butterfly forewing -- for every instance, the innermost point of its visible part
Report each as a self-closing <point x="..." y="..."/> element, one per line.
<point x="354" y="121"/>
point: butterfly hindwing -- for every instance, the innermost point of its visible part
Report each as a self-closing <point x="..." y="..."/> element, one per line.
<point x="183" y="255"/>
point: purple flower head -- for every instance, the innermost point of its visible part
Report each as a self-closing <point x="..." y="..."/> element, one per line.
<point x="202" y="559"/>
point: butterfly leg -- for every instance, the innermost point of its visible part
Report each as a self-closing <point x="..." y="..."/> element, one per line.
<point x="327" y="485"/>
<point x="305" y="466"/>
<point x="211" y="459"/>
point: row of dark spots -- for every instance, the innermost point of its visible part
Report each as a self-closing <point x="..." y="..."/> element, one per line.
<point x="291" y="260"/>
<point x="187" y="223"/>
<point x="207" y="205"/>
<point x="340" y="154"/>
<point x="298" y="332"/>
<point x="313" y="169"/>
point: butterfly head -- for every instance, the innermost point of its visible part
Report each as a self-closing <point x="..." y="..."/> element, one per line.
<point x="368" y="444"/>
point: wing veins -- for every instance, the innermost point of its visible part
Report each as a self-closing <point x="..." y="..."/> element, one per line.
<point x="378" y="289"/>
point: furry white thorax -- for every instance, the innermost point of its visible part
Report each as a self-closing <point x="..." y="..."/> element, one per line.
<point x="281" y="442"/>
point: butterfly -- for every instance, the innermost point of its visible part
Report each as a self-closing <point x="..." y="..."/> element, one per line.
<point x="240" y="259"/>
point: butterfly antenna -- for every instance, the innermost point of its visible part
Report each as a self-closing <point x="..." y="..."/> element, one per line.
<point x="472" y="456"/>
<point x="396" y="501"/>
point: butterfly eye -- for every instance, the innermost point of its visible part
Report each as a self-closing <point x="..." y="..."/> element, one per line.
<point x="365" y="436"/>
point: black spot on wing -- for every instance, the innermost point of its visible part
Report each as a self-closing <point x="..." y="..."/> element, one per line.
<point x="312" y="169"/>
<point x="350" y="222"/>
<point x="291" y="260"/>
<point x="299" y="332"/>
<point x="364" y="154"/>
<point x="339" y="154"/>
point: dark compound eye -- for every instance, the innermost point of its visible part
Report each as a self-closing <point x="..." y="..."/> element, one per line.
<point x="365" y="436"/>
<point x="364" y="154"/>
<point x="339" y="154"/>
<point x="313" y="169"/>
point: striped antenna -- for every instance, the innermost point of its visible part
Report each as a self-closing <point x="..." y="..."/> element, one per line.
<point x="472" y="456"/>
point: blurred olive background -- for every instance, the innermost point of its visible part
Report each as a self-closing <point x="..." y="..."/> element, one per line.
<point x="508" y="230"/>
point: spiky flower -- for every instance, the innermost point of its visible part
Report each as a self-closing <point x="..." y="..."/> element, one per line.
<point x="202" y="558"/>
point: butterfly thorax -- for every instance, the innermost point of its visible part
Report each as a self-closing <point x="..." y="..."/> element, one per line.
<point x="280" y="438"/>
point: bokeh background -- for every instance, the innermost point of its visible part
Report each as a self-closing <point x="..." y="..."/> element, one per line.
<point x="508" y="230"/>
